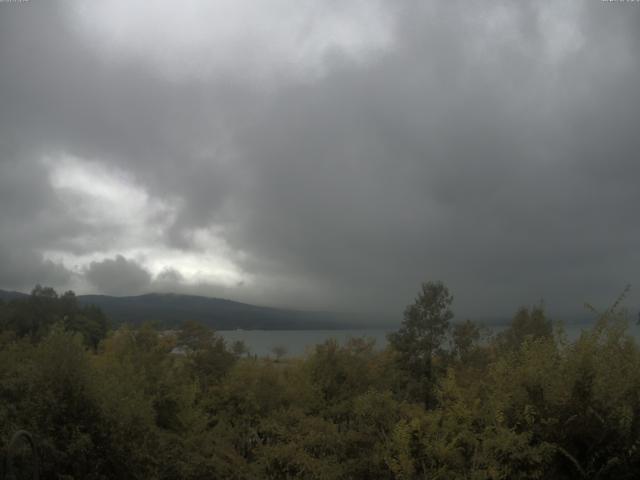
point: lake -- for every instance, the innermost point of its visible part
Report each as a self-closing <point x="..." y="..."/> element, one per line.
<point x="299" y="342"/>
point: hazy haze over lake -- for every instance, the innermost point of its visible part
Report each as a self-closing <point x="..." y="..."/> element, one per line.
<point x="300" y="342"/>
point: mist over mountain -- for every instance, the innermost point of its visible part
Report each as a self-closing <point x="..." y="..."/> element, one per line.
<point x="11" y="295"/>
<point x="170" y="310"/>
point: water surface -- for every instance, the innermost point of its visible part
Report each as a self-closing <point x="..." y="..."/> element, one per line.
<point x="299" y="342"/>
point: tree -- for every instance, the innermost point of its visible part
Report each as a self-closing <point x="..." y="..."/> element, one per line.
<point x="424" y="328"/>
<point x="33" y="316"/>
<point x="195" y="336"/>
<point x="465" y="337"/>
<point x="279" y="351"/>
<point x="526" y="323"/>
<point x="206" y="352"/>
<point x="239" y="348"/>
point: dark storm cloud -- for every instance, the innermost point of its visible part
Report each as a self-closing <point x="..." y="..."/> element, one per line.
<point x="22" y="269"/>
<point x="492" y="146"/>
<point x="30" y="217"/>
<point x="118" y="276"/>
<point x="488" y="170"/>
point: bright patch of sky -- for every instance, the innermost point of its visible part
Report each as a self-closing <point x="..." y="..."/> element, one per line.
<point x="114" y="201"/>
<point x="259" y="40"/>
<point x="504" y="27"/>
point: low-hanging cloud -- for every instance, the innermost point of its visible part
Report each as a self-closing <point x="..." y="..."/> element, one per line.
<point x="118" y="276"/>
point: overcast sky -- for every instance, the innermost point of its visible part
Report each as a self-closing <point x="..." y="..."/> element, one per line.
<point x="323" y="154"/>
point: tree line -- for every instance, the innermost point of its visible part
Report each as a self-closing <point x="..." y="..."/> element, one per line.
<point x="444" y="399"/>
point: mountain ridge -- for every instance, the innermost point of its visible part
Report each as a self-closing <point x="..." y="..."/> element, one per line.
<point x="171" y="309"/>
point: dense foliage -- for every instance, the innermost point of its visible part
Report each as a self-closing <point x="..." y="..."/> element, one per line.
<point x="445" y="401"/>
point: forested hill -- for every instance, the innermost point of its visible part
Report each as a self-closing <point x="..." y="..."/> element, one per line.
<point x="442" y="400"/>
<point x="172" y="309"/>
<point x="6" y="295"/>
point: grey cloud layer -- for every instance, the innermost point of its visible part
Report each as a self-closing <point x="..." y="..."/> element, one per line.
<point x="494" y="146"/>
<point x="118" y="276"/>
